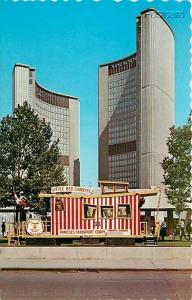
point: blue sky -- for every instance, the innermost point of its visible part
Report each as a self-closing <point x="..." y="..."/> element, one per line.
<point x="66" y="41"/>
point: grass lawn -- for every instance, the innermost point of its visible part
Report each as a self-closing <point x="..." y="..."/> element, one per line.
<point x="3" y="242"/>
<point x="174" y="243"/>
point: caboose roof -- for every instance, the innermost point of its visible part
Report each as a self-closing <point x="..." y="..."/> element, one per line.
<point x="141" y="192"/>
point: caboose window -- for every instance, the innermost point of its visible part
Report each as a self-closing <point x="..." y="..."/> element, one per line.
<point x="89" y="211"/>
<point x="107" y="212"/>
<point x="124" y="211"/>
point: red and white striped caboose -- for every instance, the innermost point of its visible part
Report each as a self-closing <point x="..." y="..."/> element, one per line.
<point x="114" y="214"/>
<point x="109" y="215"/>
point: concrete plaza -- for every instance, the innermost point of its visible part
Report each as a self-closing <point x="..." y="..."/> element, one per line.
<point x="95" y="258"/>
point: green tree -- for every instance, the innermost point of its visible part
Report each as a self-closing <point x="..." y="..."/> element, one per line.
<point x="176" y="166"/>
<point x="29" y="159"/>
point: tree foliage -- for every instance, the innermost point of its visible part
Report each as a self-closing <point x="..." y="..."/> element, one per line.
<point x="28" y="157"/>
<point x="176" y="166"/>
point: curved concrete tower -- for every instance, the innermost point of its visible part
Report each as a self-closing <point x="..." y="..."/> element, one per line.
<point x="61" y="111"/>
<point x="136" y="106"/>
<point x="155" y="98"/>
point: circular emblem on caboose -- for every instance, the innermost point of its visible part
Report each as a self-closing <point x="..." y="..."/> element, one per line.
<point x="34" y="226"/>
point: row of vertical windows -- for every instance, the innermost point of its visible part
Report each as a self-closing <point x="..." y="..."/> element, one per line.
<point x="131" y="85"/>
<point x="122" y="65"/>
<point x="123" y="132"/>
<point x="124" y="156"/>
<point x="122" y="78"/>
<point x="119" y="128"/>
<point x="106" y="211"/>
<point x="123" y="75"/>
<point x="132" y="182"/>
<point x="122" y="126"/>
<point x="123" y="101"/>
<point x="51" y="98"/>
<point x="122" y="120"/>
<point x="117" y="140"/>
<point x="125" y="93"/>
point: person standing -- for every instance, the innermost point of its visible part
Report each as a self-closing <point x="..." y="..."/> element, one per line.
<point x="3" y="228"/>
<point x="176" y="231"/>
<point x="182" y="230"/>
<point x="163" y="230"/>
<point x="153" y="229"/>
<point x="157" y="229"/>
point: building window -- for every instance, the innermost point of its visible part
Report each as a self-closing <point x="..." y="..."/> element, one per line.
<point x="30" y="73"/>
<point x="124" y="211"/>
<point x="89" y="211"/>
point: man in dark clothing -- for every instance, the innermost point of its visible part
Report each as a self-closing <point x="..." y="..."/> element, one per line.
<point x="3" y="228"/>
<point x="163" y="230"/>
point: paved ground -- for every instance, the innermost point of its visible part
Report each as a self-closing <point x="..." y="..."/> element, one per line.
<point x="90" y="264"/>
<point x="132" y="285"/>
<point x="65" y="258"/>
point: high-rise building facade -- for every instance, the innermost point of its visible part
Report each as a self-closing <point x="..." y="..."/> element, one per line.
<point x="136" y="106"/>
<point x="61" y="111"/>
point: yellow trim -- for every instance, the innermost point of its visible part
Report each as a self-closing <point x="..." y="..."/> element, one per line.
<point x="86" y="219"/>
<point x="147" y="192"/>
<point x="129" y="218"/>
<point x="113" y="182"/>
<point x="87" y="196"/>
<point x="77" y="236"/>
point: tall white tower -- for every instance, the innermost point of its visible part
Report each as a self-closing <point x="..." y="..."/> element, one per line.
<point x="155" y="98"/>
<point x="136" y="106"/>
<point x="61" y="111"/>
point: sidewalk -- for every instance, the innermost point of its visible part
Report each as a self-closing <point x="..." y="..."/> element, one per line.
<point x="58" y="264"/>
<point x="76" y="258"/>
